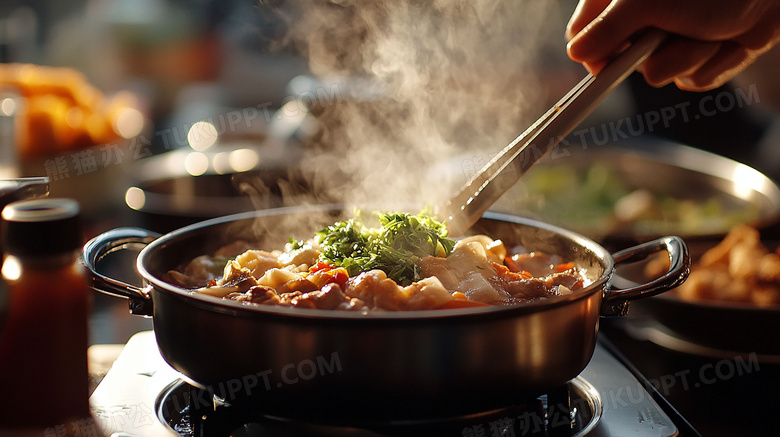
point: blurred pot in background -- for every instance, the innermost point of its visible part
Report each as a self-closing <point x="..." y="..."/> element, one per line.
<point x="622" y="193"/>
<point x="220" y="171"/>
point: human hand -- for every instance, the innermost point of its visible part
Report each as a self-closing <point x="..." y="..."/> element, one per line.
<point x="710" y="41"/>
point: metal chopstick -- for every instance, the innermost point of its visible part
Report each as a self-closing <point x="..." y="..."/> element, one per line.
<point x="505" y="169"/>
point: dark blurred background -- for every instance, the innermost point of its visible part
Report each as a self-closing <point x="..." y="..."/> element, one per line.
<point x="262" y="103"/>
<point x="190" y="59"/>
<point x="236" y="61"/>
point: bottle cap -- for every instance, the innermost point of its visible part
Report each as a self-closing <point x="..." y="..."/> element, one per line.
<point x="41" y="227"/>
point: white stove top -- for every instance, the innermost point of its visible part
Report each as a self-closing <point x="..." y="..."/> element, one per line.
<point x="125" y="403"/>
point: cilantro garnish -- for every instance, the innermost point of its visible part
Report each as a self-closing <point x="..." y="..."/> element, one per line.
<point x="295" y="244"/>
<point x="395" y="248"/>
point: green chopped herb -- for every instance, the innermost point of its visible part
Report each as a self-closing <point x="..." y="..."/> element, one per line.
<point x="395" y="248"/>
<point x="295" y="244"/>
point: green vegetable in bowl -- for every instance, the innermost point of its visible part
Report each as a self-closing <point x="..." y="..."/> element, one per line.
<point x="598" y="200"/>
<point x="395" y="247"/>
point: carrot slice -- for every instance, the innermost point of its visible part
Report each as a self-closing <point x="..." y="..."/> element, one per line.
<point x="505" y="272"/>
<point x="320" y="266"/>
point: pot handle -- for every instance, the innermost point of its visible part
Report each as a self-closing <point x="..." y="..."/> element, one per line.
<point x="112" y="241"/>
<point x="616" y="300"/>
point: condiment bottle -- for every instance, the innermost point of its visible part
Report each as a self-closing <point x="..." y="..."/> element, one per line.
<point x="44" y="337"/>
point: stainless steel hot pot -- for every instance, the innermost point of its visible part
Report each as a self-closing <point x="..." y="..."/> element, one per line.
<point x="381" y="361"/>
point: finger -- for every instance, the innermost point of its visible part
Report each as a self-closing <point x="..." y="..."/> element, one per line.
<point x="729" y="61"/>
<point x="678" y="57"/>
<point x="764" y="35"/>
<point x="594" y="67"/>
<point x="606" y="33"/>
<point x="585" y="12"/>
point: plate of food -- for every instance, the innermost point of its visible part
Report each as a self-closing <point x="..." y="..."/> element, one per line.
<point x="729" y="305"/>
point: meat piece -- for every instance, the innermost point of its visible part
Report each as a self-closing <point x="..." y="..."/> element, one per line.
<point x="258" y="294"/>
<point x="518" y="285"/>
<point x="426" y="294"/>
<point x="469" y="258"/>
<point x="338" y="275"/>
<point x="743" y="259"/>
<point x="563" y="290"/>
<point x="258" y="262"/>
<point x="438" y="267"/>
<point x="353" y="304"/>
<point x="495" y="251"/>
<point x="738" y="235"/>
<point x="766" y="294"/>
<point x="376" y="290"/>
<point x="329" y="298"/>
<point x="477" y="288"/>
<point x="569" y="279"/>
<point x="287" y="298"/>
<point x="714" y="284"/>
<point x="303" y="257"/>
<point x="199" y="272"/>
<point x="276" y="278"/>
<point x="527" y="289"/>
<point x="522" y="286"/>
<point x="769" y="268"/>
<point x="298" y="284"/>
<point x="236" y="279"/>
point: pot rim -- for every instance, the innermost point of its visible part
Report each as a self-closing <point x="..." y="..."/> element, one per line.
<point x="239" y="309"/>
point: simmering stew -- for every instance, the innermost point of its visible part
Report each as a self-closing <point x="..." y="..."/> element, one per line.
<point x="406" y="262"/>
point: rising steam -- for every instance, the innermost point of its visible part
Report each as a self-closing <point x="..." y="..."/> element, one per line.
<point x="458" y="80"/>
